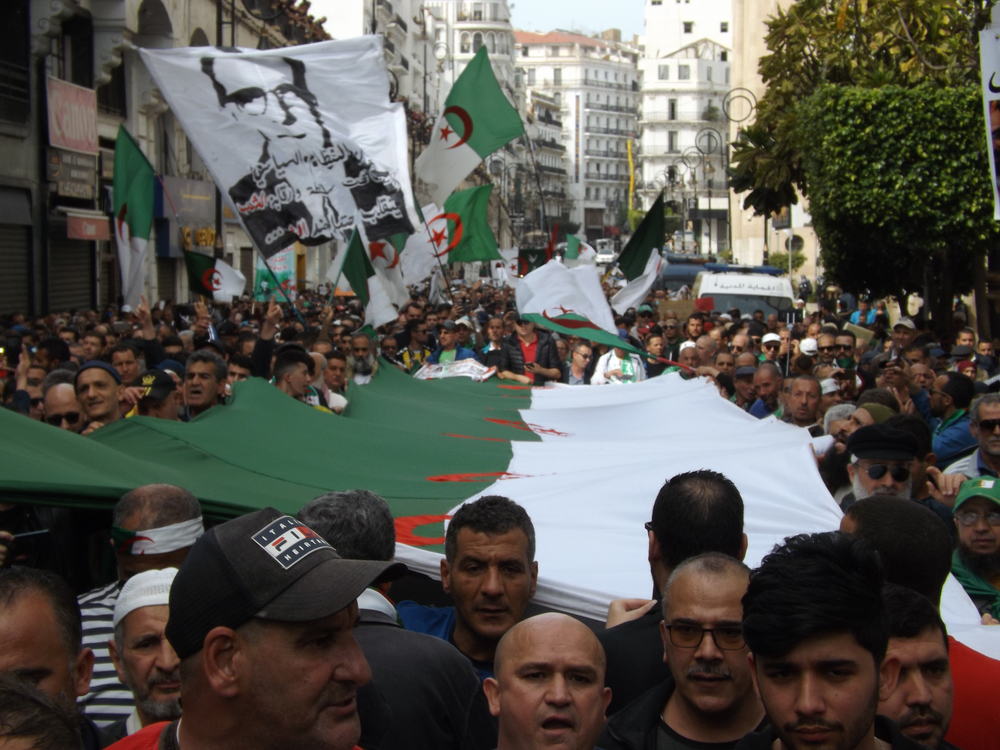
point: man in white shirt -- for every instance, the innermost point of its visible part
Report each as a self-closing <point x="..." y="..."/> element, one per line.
<point x="619" y="366"/>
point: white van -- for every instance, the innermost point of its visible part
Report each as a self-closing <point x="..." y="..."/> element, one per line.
<point x="605" y="251"/>
<point x="747" y="291"/>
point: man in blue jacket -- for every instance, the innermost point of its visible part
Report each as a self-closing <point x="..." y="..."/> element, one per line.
<point x="449" y="350"/>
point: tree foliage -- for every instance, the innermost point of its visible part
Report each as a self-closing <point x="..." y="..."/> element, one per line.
<point x="898" y="177"/>
<point x="779" y="259"/>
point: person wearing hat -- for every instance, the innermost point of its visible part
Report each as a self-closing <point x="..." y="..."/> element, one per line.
<point x="770" y="345"/>
<point x="880" y="460"/>
<point x="144" y="660"/>
<point x="158" y="398"/>
<point x="99" y="389"/>
<point x="746" y="392"/>
<point x="449" y="349"/>
<point x="261" y="614"/>
<point x="976" y="561"/>
<point x="903" y="333"/>
<point x="465" y="332"/>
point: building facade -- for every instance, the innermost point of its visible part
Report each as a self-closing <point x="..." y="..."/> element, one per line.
<point x="72" y="61"/>
<point x="594" y="82"/>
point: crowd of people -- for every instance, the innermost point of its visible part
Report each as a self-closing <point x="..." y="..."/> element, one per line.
<point x="270" y="631"/>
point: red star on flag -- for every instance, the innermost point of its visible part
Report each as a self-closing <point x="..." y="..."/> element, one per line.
<point x="377" y="250"/>
<point x="445" y="132"/>
<point x="439" y="236"/>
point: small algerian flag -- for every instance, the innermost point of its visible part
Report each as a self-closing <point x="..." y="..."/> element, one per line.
<point x="578" y="252"/>
<point x="635" y="291"/>
<point x="375" y="292"/>
<point x="477" y="120"/>
<point x="648" y="236"/>
<point x="133" y="196"/>
<point x="570" y="301"/>
<point x="461" y="232"/>
<point x="213" y="277"/>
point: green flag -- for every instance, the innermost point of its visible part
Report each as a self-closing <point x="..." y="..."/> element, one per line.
<point x="461" y="232"/>
<point x="477" y="120"/>
<point x="213" y="277"/>
<point x="354" y="266"/>
<point x="572" y="247"/>
<point x="133" y="199"/>
<point x="648" y="236"/>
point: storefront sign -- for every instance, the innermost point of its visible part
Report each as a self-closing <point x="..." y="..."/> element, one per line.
<point x="72" y="117"/>
<point x="75" y="174"/>
<point x="87" y="228"/>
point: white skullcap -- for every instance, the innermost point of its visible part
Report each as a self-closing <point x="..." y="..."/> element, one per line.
<point x="829" y="385"/>
<point x="147" y="589"/>
<point x="686" y="345"/>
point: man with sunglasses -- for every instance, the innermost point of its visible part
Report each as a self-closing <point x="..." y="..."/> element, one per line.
<point x="528" y="356"/>
<point x="672" y="339"/>
<point x="578" y="371"/>
<point x="976" y="562"/>
<point x="984" y="421"/>
<point x="880" y="459"/>
<point x="62" y="408"/>
<point x="770" y="345"/>
<point x="709" y="699"/>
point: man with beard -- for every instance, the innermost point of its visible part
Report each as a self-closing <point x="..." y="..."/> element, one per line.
<point x="945" y="409"/>
<point x="880" y="459"/>
<point x="361" y="363"/>
<point x="976" y="562"/>
<point x="767" y="381"/>
<point x="709" y="698"/>
<point x="145" y="661"/>
<point x="817" y="628"/>
<point x="921" y="703"/>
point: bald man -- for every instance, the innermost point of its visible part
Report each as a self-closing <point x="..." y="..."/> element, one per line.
<point x="549" y="687"/>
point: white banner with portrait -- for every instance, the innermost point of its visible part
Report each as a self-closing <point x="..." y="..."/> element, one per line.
<point x="303" y="140"/>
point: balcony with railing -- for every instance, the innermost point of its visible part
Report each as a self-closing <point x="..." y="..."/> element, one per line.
<point x="605" y="153"/>
<point x="611" y="108"/>
<point x="608" y="131"/>
<point x="551" y="170"/>
<point x="549" y="144"/>
<point x="603" y="177"/>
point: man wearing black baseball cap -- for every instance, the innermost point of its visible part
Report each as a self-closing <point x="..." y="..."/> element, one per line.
<point x="880" y="463"/>
<point x="159" y="395"/>
<point x="261" y="615"/>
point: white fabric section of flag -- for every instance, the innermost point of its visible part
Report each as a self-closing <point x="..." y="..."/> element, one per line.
<point x="131" y="258"/>
<point x="379" y="310"/>
<point x="635" y="291"/>
<point x="555" y="289"/>
<point x="418" y="259"/>
<point x="435" y="294"/>
<point x="444" y="164"/>
<point x="386" y="261"/>
<point x="303" y="140"/>
<point x="230" y="282"/>
<point x="566" y="491"/>
<point x="505" y="271"/>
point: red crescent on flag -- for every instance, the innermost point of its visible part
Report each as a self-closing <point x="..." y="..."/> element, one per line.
<point x="458" y="232"/>
<point x="378" y="249"/>
<point x="133" y="540"/>
<point x="572" y="324"/>
<point x="212" y="279"/>
<point x="462" y="115"/>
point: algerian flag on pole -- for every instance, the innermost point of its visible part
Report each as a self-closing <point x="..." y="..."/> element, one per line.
<point x="133" y="195"/>
<point x="648" y="236"/>
<point x="477" y="120"/>
<point x="213" y="277"/>
<point x="578" y="253"/>
<point x="461" y="232"/>
<point x="570" y="301"/>
<point x="355" y="267"/>
<point x="635" y="291"/>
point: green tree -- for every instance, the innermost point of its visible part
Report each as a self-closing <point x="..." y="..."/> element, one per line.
<point x="899" y="178"/>
<point x="671" y="224"/>
<point x="779" y="259"/>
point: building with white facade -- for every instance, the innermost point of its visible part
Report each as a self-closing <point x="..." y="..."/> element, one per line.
<point x="685" y="138"/>
<point x="595" y="84"/>
<point x="673" y="24"/>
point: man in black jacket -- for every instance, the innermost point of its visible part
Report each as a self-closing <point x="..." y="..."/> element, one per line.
<point x="694" y="513"/>
<point x="710" y="698"/>
<point x="529" y="356"/>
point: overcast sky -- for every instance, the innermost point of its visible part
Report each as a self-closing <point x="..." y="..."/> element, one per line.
<point x="588" y="16"/>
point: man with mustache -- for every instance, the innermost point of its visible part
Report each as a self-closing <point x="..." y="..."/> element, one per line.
<point x="361" y="362"/>
<point x="549" y="686"/>
<point x="880" y="460"/>
<point x="709" y="701"/>
<point x="976" y="563"/>
<point x="143" y="658"/>
<point x="921" y="703"/>
<point x="261" y="614"/>
<point x="818" y="631"/>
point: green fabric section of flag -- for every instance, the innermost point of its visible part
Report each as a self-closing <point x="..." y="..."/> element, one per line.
<point x="133" y="185"/>
<point x="357" y="268"/>
<point x="197" y="266"/>
<point x="370" y="332"/>
<point x="572" y="247"/>
<point x="476" y="241"/>
<point x="454" y="442"/>
<point x="399" y="241"/>
<point x="648" y="235"/>
<point x="477" y="95"/>
<point x="577" y="325"/>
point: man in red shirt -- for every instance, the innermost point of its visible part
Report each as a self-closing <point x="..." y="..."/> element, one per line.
<point x="261" y="614"/>
<point x="529" y="356"/>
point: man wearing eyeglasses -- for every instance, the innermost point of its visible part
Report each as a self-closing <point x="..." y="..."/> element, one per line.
<point x="984" y="421"/>
<point x="826" y="345"/>
<point x="976" y="562"/>
<point x="577" y="371"/>
<point x="709" y="699"/>
<point x="880" y="463"/>
<point x="62" y="408"/>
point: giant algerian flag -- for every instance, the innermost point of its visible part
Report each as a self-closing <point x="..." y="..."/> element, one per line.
<point x="648" y="236"/>
<point x="133" y="195"/>
<point x="213" y="277"/>
<point x="545" y="448"/>
<point x="477" y="120"/>
<point x="635" y="291"/>
<point x="461" y="233"/>
<point x="354" y="266"/>
<point x="570" y="301"/>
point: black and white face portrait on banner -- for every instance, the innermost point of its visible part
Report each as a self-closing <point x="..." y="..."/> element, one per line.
<point x="288" y="136"/>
